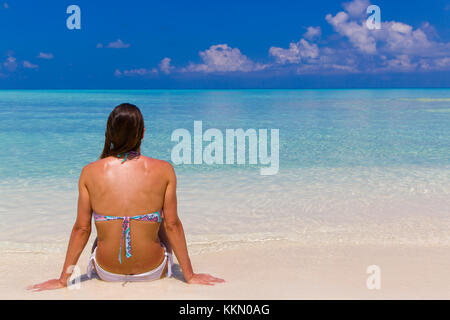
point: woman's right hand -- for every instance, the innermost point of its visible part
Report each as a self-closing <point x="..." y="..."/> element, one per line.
<point x="48" y="285"/>
<point x="203" y="278"/>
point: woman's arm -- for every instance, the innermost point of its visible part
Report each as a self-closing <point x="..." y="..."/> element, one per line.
<point x="163" y="238"/>
<point x="173" y="228"/>
<point x="78" y="238"/>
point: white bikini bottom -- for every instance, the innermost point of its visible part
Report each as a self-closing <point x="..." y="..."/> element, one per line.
<point x="147" y="276"/>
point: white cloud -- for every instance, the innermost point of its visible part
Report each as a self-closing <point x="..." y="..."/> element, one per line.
<point x="10" y="64"/>
<point x="222" y="58"/>
<point x="291" y="55"/>
<point x="357" y="32"/>
<point x="356" y="8"/>
<point x="399" y="63"/>
<point x="165" y="66"/>
<point x="397" y="46"/>
<point x="397" y="37"/>
<point x="435" y="64"/>
<point x="135" y="72"/>
<point x="296" y="52"/>
<point x="29" y="65"/>
<point x="443" y="62"/>
<point x="118" y="44"/>
<point x="394" y="37"/>
<point x="47" y="56"/>
<point x="330" y="61"/>
<point x="312" y="33"/>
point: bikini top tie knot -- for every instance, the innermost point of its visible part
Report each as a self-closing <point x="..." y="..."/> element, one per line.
<point x="130" y="155"/>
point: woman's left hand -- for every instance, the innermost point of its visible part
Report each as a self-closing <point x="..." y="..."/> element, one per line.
<point x="48" y="285"/>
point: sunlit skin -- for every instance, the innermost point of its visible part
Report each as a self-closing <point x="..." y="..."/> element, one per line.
<point x="138" y="186"/>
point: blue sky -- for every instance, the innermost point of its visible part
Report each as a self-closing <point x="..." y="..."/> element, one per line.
<point x="224" y="44"/>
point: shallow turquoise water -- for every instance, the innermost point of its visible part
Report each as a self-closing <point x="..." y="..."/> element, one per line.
<point x="55" y="133"/>
<point x="374" y="136"/>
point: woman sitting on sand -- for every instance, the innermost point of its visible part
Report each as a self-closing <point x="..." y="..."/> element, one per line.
<point x="133" y="200"/>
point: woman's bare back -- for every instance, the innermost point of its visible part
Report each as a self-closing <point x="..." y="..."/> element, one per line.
<point x="129" y="188"/>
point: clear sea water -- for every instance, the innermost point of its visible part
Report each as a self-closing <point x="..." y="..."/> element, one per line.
<point x="356" y="166"/>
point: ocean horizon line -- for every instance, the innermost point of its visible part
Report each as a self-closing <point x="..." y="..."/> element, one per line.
<point x="224" y="89"/>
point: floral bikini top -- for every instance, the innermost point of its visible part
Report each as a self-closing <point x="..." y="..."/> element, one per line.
<point x="153" y="217"/>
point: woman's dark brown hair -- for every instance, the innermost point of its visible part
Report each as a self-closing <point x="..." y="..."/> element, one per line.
<point x="124" y="130"/>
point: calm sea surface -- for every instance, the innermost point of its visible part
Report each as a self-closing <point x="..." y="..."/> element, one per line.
<point x="355" y="166"/>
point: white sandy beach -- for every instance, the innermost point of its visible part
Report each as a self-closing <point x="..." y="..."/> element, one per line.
<point x="266" y="270"/>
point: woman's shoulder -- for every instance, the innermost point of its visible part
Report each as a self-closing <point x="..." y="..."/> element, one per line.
<point x="89" y="168"/>
<point x="162" y="166"/>
<point x="158" y="163"/>
<point x="92" y="165"/>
